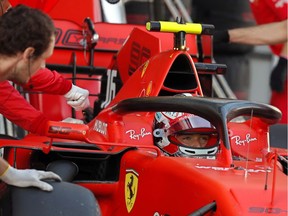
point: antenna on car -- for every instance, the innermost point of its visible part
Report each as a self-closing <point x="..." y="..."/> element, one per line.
<point x="248" y="149"/>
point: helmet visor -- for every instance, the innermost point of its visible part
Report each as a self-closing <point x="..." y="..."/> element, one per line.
<point x="188" y="122"/>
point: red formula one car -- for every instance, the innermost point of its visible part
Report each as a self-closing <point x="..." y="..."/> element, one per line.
<point x="113" y="165"/>
<point x="123" y="163"/>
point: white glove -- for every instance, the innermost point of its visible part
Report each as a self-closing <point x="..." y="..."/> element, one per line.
<point x="29" y="177"/>
<point x="73" y="120"/>
<point x="77" y="98"/>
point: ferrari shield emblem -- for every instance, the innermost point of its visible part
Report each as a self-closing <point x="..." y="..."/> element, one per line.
<point x="131" y="186"/>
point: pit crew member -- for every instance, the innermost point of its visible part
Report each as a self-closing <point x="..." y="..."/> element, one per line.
<point x="45" y="81"/>
<point x="271" y="15"/>
<point x="26" y="40"/>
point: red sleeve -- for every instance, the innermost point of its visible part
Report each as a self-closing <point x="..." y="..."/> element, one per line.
<point x="15" y="108"/>
<point x="268" y="11"/>
<point x="48" y="81"/>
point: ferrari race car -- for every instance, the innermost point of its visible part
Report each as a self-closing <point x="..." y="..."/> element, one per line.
<point x="119" y="162"/>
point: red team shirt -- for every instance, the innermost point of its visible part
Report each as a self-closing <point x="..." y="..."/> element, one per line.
<point x="12" y="104"/>
<point x="267" y="11"/>
<point x="15" y="108"/>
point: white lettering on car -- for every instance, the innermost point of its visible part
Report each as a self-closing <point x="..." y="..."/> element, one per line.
<point x="136" y="136"/>
<point x="100" y="127"/>
<point x="247" y="140"/>
<point x="227" y="168"/>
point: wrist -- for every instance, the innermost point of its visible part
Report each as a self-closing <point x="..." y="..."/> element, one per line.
<point x="221" y="36"/>
<point x="68" y="94"/>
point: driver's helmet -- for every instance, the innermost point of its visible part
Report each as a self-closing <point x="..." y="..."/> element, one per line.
<point x="185" y="135"/>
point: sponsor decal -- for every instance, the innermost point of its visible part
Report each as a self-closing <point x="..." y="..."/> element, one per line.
<point x="173" y="115"/>
<point x="108" y="40"/>
<point x="144" y="68"/>
<point x="263" y="210"/>
<point x="146" y="92"/>
<point x="243" y="142"/>
<point x="142" y="93"/>
<point x="100" y="127"/>
<point x="137" y="136"/>
<point x="131" y="186"/>
<point x="73" y="38"/>
<point x="64" y="130"/>
<point x="227" y="168"/>
<point x="149" y="88"/>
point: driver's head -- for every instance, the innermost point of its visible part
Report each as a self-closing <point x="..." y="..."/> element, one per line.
<point x="196" y="140"/>
<point x="185" y="135"/>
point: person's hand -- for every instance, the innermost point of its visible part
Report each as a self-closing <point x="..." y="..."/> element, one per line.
<point x="29" y="177"/>
<point x="73" y="120"/>
<point x="77" y="98"/>
<point x="279" y="75"/>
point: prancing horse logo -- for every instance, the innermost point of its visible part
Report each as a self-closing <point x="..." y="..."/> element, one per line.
<point x="131" y="186"/>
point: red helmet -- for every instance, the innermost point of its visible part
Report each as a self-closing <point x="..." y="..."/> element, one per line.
<point x="185" y="135"/>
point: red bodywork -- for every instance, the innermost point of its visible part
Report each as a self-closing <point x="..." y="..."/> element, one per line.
<point x="115" y="153"/>
<point x="101" y="69"/>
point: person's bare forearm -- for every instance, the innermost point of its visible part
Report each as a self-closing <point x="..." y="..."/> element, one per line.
<point x="266" y="34"/>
